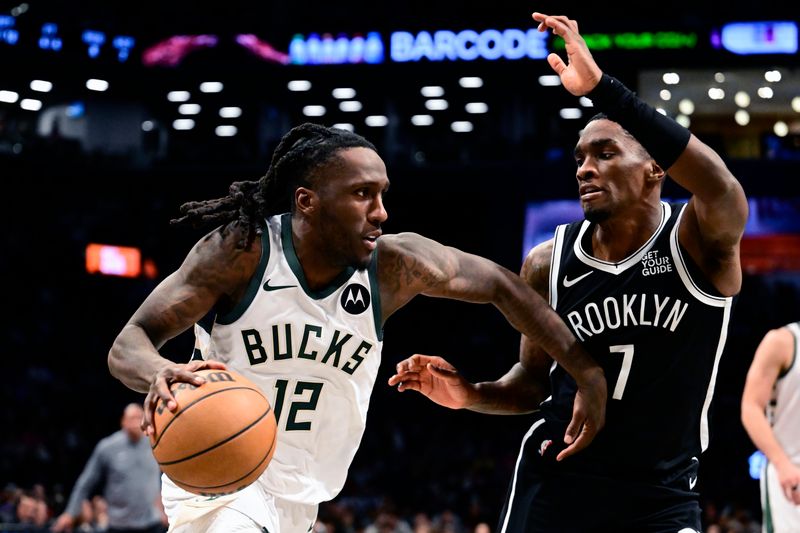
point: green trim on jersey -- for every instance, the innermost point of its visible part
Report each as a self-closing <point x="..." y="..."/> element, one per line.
<point x="768" y="526"/>
<point x="253" y="286"/>
<point x="376" y="295"/>
<point x="294" y="263"/>
<point x="794" y="356"/>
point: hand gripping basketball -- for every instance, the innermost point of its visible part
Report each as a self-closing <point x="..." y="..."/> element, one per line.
<point x="159" y="387"/>
<point x="220" y="438"/>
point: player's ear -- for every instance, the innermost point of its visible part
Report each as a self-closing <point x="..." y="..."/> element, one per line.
<point x="655" y="173"/>
<point x="306" y="200"/>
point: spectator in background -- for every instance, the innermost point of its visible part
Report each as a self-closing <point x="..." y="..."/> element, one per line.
<point x="770" y="406"/>
<point x="123" y="467"/>
<point x="31" y="511"/>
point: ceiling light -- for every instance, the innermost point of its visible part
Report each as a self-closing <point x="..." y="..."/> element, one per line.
<point x="436" y="105"/>
<point x="350" y="106"/>
<point x="41" y="86"/>
<point x="189" y="109"/>
<point x="781" y="129"/>
<point x="461" y="126"/>
<point x="299" y="85"/>
<point x="183" y="124"/>
<point x="96" y="85"/>
<point x="314" y="110"/>
<point x="671" y="78"/>
<point x="226" y="130"/>
<point x="230" y="112"/>
<point x="476" y="107"/>
<point x="376" y="121"/>
<point x="29" y="104"/>
<point x="211" y="87"/>
<point x="422" y="120"/>
<point x="178" y="96"/>
<point x="344" y="93"/>
<point x="549" y="81"/>
<point x="432" y="91"/>
<point x="470" y="82"/>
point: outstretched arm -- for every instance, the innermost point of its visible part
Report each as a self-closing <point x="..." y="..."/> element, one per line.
<point x="215" y="270"/>
<point x="773" y="356"/>
<point x="410" y="264"/>
<point x="714" y="220"/>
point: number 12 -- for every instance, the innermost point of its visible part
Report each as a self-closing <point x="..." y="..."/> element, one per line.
<point x="291" y="421"/>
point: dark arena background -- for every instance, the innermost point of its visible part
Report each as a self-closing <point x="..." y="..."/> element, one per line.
<point x="112" y="114"/>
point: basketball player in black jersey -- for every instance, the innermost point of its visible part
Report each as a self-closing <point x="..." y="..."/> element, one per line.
<point x="647" y="288"/>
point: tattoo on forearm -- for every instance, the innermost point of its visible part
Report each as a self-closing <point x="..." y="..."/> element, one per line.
<point x="406" y="271"/>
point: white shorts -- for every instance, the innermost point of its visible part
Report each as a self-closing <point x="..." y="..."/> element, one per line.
<point x="250" y="510"/>
<point x="780" y="513"/>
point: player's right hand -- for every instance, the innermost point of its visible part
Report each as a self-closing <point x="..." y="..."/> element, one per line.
<point x="588" y="412"/>
<point x="580" y="74"/>
<point x="435" y="378"/>
<point x="159" y="387"/>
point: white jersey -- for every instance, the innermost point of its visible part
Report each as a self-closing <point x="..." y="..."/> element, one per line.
<point x="315" y="354"/>
<point x="785" y="403"/>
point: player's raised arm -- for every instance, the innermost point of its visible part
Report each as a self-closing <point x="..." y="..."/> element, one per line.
<point x="410" y="264"/>
<point x="214" y="271"/>
<point x="714" y="221"/>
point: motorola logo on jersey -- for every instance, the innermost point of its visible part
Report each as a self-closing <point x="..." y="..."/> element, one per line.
<point x="355" y="299"/>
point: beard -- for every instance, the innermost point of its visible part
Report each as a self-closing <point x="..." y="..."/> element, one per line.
<point x="596" y="215"/>
<point x="341" y="251"/>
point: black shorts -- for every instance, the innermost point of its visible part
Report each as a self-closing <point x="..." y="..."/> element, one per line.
<point x="543" y="498"/>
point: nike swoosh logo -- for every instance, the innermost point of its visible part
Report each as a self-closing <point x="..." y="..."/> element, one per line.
<point x="571" y="282"/>
<point x="692" y="483"/>
<point x="268" y="287"/>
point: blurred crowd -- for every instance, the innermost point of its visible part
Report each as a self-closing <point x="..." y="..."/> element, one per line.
<point x="34" y="510"/>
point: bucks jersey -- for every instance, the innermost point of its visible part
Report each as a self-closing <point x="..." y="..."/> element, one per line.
<point x="785" y="404"/>
<point x="315" y="355"/>
<point x="658" y="331"/>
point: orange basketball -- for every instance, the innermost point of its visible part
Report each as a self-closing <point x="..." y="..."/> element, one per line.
<point x="220" y="439"/>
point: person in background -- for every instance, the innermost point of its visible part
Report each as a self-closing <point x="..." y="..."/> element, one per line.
<point x="122" y="467"/>
<point x="771" y="416"/>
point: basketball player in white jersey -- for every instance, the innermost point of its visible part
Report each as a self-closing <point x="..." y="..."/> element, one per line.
<point x="647" y="287"/>
<point x="301" y="281"/>
<point x="771" y="416"/>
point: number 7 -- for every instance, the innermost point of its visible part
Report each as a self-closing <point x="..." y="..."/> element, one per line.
<point x="627" y="359"/>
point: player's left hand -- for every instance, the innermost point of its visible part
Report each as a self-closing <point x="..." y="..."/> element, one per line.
<point x="588" y="413"/>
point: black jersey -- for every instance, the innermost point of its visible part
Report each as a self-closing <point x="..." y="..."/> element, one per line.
<point x="658" y="330"/>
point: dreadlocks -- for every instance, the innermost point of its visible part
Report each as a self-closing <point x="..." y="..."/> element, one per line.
<point x="300" y="153"/>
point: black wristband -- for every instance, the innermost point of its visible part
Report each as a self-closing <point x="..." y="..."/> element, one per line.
<point x="663" y="138"/>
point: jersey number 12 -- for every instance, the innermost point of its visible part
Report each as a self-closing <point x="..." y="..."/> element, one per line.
<point x="297" y="405"/>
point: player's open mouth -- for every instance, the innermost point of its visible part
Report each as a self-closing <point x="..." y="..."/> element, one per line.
<point x="371" y="239"/>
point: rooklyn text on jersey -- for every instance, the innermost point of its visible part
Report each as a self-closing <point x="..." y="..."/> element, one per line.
<point x="629" y="310"/>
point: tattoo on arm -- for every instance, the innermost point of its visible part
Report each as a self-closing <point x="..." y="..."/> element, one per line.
<point x="536" y="269"/>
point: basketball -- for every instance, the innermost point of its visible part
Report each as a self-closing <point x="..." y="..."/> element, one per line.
<point x="220" y="439"/>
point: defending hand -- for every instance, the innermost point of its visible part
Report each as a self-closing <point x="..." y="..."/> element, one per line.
<point x="580" y="74"/>
<point x="435" y="378"/>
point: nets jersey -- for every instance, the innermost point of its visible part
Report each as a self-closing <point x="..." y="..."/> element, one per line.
<point x="785" y="404"/>
<point x="658" y="331"/>
<point x="315" y="355"/>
